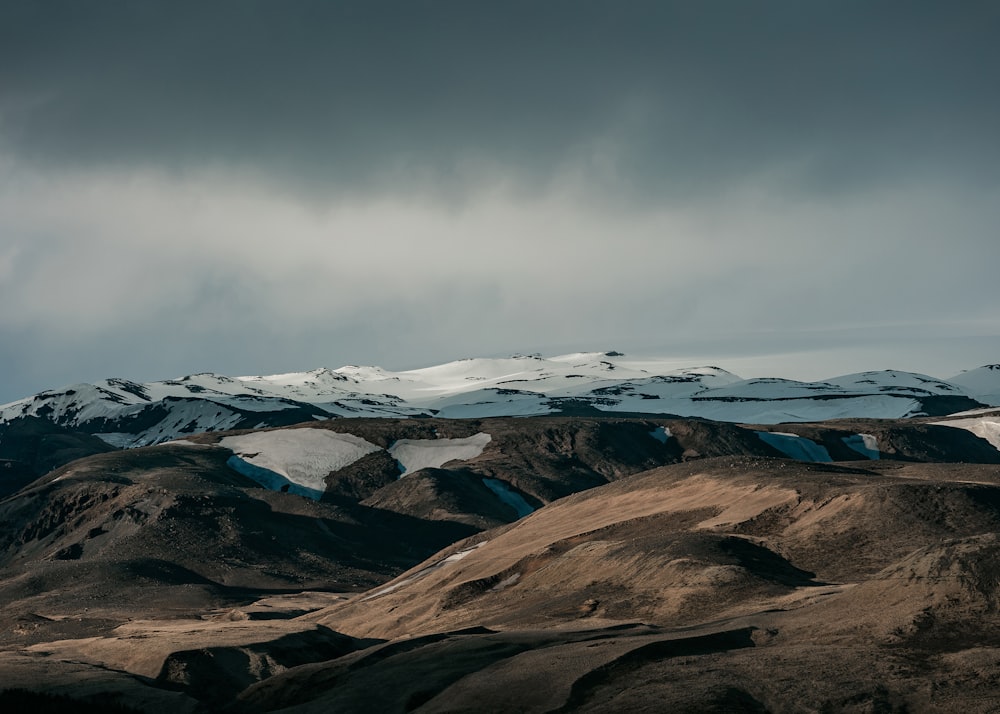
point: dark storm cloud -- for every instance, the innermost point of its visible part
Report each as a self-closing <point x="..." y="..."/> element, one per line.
<point x="673" y="97"/>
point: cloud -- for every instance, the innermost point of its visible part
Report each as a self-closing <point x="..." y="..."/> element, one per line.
<point x="220" y="264"/>
<point x="257" y="186"/>
<point x="340" y="98"/>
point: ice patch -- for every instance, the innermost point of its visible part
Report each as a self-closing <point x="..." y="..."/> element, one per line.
<point x="508" y="496"/>
<point x="301" y="457"/>
<point x="864" y="444"/>
<point x="794" y="446"/>
<point x="271" y="480"/>
<point x="416" y="454"/>
<point x="661" y="434"/>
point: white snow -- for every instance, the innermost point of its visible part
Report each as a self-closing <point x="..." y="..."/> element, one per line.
<point x="993" y="411"/>
<point x="453" y="558"/>
<point x="492" y="403"/>
<point x="254" y="403"/>
<point x="189" y="416"/>
<point x="864" y="444"/>
<point x="485" y="387"/>
<point x="513" y="499"/>
<point x="416" y="454"/>
<point x="774" y="388"/>
<point x="894" y="380"/>
<point x="795" y="446"/>
<point x="986" y="427"/>
<point x="982" y="383"/>
<point x="771" y="411"/>
<point x="271" y="480"/>
<point x="661" y="434"/>
<point x="304" y="457"/>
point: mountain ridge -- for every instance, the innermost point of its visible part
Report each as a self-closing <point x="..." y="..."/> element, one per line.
<point x="125" y="413"/>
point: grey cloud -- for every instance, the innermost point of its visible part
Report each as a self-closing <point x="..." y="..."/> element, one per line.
<point x="684" y="97"/>
<point x="261" y="186"/>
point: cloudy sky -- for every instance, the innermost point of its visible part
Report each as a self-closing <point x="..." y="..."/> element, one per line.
<point x="783" y="188"/>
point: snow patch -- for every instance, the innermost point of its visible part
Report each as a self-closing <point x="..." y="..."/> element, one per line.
<point x="254" y="403"/>
<point x="299" y="457"/>
<point x="492" y="403"/>
<point x="794" y="446"/>
<point x="453" y="558"/>
<point x="184" y="442"/>
<point x="987" y="428"/>
<point x="982" y="384"/>
<point x="416" y="454"/>
<point x="271" y="480"/>
<point x="992" y="411"/>
<point x="864" y="444"/>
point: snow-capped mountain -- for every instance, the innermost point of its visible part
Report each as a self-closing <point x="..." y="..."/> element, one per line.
<point x="126" y="413"/>
<point x="982" y="384"/>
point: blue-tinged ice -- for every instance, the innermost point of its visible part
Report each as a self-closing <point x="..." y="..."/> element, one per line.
<point x="270" y="479"/>
<point x="864" y="444"/>
<point x="511" y="498"/>
<point x="794" y="446"/>
<point x="661" y="434"/>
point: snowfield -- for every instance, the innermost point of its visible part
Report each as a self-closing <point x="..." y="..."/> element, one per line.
<point x="982" y="383"/>
<point x="985" y="427"/>
<point x="130" y="414"/>
<point x="864" y="444"/>
<point x="299" y="460"/>
<point x="416" y="454"/>
<point x="299" y="457"/>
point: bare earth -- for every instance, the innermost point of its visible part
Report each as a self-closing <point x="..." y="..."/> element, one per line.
<point x="740" y="582"/>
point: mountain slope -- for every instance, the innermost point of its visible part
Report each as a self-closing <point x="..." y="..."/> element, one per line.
<point x="33" y="446"/>
<point x="721" y="585"/>
<point x="126" y="413"/>
<point x="678" y="545"/>
<point x="175" y="522"/>
<point x="661" y="563"/>
<point x="982" y="384"/>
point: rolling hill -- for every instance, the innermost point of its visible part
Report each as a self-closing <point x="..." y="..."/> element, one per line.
<point x="256" y="548"/>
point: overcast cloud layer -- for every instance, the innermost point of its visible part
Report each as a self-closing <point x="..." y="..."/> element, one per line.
<point x="786" y="188"/>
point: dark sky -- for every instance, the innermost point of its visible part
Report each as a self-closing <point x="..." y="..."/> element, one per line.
<point x="796" y="188"/>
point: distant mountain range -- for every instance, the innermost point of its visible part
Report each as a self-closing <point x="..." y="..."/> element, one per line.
<point x="124" y="413"/>
<point x="588" y="555"/>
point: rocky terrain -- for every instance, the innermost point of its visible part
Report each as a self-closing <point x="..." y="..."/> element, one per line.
<point x="539" y="564"/>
